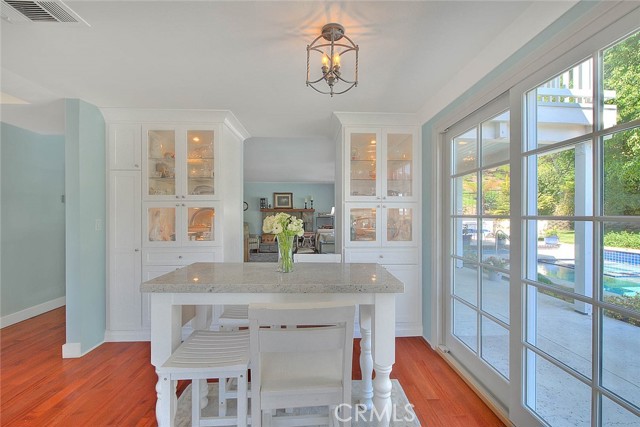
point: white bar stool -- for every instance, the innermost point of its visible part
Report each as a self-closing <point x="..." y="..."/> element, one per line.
<point x="212" y="354"/>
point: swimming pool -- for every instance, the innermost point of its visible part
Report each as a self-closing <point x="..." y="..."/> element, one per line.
<point x="618" y="278"/>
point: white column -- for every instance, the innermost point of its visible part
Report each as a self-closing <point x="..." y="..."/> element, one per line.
<point x="583" y="230"/>
<point x="166" y="322"/>
<point x="366" y="361"/>
<point x="384" y="354"/>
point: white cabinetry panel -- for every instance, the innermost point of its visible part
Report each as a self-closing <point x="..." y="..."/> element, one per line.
<point x="124" y="298"/>
<point x="378" y="202"/>
<point x="125" y="147"/>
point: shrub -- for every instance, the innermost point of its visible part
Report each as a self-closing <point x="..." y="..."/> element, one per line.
<point x="622" y="239"/>
<point x="629" y="302"/>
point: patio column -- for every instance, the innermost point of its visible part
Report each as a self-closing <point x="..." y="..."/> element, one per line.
<point x="583" y="229"/>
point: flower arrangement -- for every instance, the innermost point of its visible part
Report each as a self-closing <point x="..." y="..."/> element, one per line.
<point x="286" y="228"/>
<point x="497" y="262"/>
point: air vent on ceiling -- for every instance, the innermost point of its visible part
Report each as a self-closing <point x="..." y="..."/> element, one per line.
<point x="39" y="11"/>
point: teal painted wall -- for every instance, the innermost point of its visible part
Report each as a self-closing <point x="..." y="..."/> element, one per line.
<point x="32" y="215"/>
<point x="85" y="218"/>
<point x="323" y="198"/>
<point x="429" y="147"/>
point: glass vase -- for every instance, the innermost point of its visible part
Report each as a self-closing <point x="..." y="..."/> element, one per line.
<point x="285" y="253"/>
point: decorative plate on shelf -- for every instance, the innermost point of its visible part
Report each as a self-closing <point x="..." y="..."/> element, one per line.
<point x="203" y="189"/>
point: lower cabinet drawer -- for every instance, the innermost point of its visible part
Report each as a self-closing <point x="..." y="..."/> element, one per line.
<point x="382" y="256"/>
<point x="157" y="257"/>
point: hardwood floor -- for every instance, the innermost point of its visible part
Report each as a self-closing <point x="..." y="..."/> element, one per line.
<point x="114" y="385"/>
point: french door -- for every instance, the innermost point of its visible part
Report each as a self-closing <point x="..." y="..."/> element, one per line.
<point x="479" y="246"/>
<point x="541" y="268"/>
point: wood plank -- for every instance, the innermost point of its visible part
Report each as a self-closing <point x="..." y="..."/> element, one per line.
<point x="114" y="385"/>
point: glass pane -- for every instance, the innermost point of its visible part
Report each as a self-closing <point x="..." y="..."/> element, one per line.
<point x="495" y="346"/>
<point x="563" y="106"/>
<point x="465" y="325"/>
<point x="200" y="162"/>
<point x="465" y="194"/>
<point x="495" y="139"/>
<point x="621" y="183"/>
<point x="621" y="81"/>
<point x="399" y="165"/>
<point x="465" y="280"/>
<point x="620" y="349"/>
<point x="495" y="191"/>
<point x="620" y="264"/>
<point x="556" y="182"/>
<point x="201" y="225"/>
<point x="162" y="224"/>
<point x="363" y="224"/>
<point x="563" y="255"/>
<point x="495" y="235"/>
<point x="399" y="224"/>
<point x="466" y="238"/>
<point x="465" y="151"/>
<point x="495" y="293"/>
<point x="162" y="162"/>
<point x="363" y="164"/>
<point x="615" y="415"/>
<point x="557" y="397"/>
<point x="556" y="328"/>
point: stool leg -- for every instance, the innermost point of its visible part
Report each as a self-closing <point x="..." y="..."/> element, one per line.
<point x="222" y="397"/>
<point x="242" y="400"/>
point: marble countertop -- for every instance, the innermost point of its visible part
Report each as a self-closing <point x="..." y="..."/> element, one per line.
<point x="261" y="277"/>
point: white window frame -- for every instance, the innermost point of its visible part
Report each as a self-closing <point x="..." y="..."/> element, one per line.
<point x="597" y="28"/>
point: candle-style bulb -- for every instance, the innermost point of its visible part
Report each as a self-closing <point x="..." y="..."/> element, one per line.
<point x="336" y="60"/>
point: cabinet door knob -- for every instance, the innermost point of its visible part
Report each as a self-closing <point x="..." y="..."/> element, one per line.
<point x="136" y="250"/>
<point x="177" y="197"/>
<point x="183" y="197"/>
<point x="384" y="206"/>
<point x="384" y="197"/>
<point x="381" y="256"/>
<point x="136" y="166"/>
<point x="378" y="197"/>
<point x="183" y="204"/>
<point x="179" y="256"/>
<point x="178" y="204"/>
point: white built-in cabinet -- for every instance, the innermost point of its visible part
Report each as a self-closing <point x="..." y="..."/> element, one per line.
<point x="174" y="197"/>
<point x="379" y="194"/>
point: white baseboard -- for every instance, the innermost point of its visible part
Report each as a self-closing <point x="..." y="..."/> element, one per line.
<point x="408" y="330"/>
<point x="28" y="313"/>
<point x="73" y="350"/>
<point x="127" y="336"/>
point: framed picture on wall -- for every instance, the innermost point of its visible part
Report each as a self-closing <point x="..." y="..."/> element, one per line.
<point x="283" y="200"/>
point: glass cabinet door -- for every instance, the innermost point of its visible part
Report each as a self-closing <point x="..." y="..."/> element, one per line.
<point x="200" y="224"/>
<point x="161" y="163"/>
<point x="160" y="225"/>
<point x="399" y="225"/>
<point x="200" y="164"/>
<point x="362" y="165"/>
<point x="399" y="165"/>
<point x="363" y="225"/>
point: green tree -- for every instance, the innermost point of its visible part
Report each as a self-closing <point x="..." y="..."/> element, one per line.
<point x="622" y="150"/>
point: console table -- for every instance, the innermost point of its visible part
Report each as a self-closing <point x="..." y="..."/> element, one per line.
<point x="370" y="286"/>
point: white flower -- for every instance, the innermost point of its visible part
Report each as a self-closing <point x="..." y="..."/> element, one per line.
<point x="283" y="224"/>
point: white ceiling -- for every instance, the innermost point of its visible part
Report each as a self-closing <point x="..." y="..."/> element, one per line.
<point x="249" y="57"/>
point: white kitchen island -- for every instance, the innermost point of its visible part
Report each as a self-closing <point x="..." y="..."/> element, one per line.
<point x="369" y="286"/>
